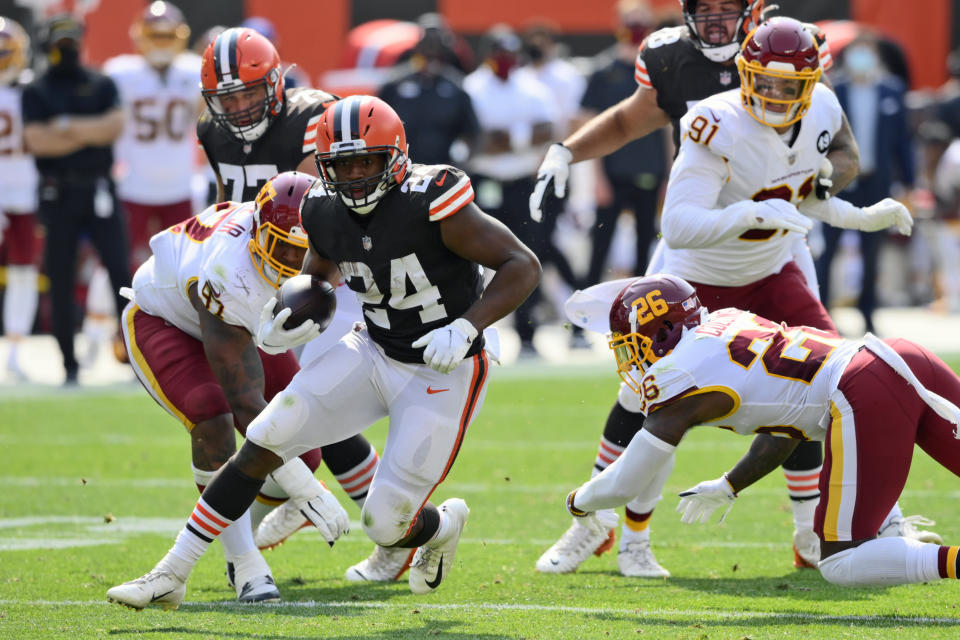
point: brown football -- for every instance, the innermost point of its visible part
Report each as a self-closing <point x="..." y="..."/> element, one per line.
<point x="310" y="298"/>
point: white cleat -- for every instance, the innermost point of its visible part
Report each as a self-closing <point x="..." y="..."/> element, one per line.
<point x="431" y="564"/>
<point x="385" y="564"/>
<point x="636" y="560"/>
<point x="253" y="580"/>
<point x="806" y="549"/>
<point x="906" y="527"/>
<point x="159" y="587"/>
<point x="585" y="537"/>
<point x="278" y="525"/>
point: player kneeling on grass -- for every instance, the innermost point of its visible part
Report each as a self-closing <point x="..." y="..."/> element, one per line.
<point x="409" y="240"/>
<point x="868" y="400"/>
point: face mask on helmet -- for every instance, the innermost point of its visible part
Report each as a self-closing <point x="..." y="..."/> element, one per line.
<point x="361" y="151"/>
<point x="242" y="83"/>
<point x="779" y="68"/>
<point x="279" y="242"/>
<point x="160" y="34"/>
<point x="718" y="27"/>
<point x="647" y="320"/>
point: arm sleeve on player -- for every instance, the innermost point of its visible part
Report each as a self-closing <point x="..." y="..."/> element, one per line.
<point x="834" y="211"/>
<point x="628" y="476"/>
<point x="690" y="219"/>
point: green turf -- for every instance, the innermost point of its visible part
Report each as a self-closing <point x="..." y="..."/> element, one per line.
<point x="96" y="486"/>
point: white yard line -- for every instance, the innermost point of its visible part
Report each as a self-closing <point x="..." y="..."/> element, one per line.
<point x="480" y="607"/>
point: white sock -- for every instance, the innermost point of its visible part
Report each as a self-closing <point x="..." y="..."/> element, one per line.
<point x="895" y="514"/>
<point x="20" y="300"/>
<point x="883" y="561"/>
<point x="238" y="537"/>
<point x="803" y="513"/>
<point x="260" y="507"/>
<point x="201" y="529"/>
<point x="629" y="535"/>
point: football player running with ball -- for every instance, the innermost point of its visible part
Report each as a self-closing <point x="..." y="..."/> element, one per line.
<point x="705" y="50"/>
<point x="196" y="304"/>
<point x="254" y="128"/>
<point x="409" y="240"/>
<point x="869" y="401"/>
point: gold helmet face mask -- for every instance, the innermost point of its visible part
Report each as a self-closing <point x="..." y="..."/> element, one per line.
<point x="776" y="95"/>
<point x="634" y="351"/>
<point x="14" y="51"/>
<point x="160" y="34"/>
<point x="269" y="237"/>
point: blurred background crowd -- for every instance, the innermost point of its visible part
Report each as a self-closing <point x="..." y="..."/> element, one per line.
<point x="487" y="87"/>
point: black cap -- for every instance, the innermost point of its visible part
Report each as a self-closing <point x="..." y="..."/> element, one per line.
<point x="64" y="26"/>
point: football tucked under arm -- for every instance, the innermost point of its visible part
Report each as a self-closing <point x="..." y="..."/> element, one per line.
<point x="308" y="298"/>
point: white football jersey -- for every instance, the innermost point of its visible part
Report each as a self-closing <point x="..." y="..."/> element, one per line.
<point x="211" y="250"/>
<point x="156" y="154"/>
<point x="779" y="378"/>
<point x="726" y="156"/>
<point x="18" y="173"/>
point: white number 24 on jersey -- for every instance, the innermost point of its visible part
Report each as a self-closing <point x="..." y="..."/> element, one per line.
<point x="402" y="270"/>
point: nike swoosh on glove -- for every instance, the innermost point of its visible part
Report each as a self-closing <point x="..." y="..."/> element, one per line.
<point x="556" y="167"/>
<point x="327" y="515"/>
<point x="777" y="214"/>
<point x="446" y="346"/>
<point x="698" y="503"/>
<point x="273" y="338"/>
<point x="886" y="213"/>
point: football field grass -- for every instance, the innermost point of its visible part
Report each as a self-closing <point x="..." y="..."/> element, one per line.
<point x="94" y="487"/>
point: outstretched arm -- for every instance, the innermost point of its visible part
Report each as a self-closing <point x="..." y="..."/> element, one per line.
<point x="647" y="452"/>
<point x="626" y="121"/>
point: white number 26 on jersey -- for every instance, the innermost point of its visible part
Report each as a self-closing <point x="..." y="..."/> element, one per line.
<point x="402" y="270"/>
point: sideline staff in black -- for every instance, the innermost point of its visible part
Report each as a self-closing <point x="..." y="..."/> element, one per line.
<point x="71" y="116"/>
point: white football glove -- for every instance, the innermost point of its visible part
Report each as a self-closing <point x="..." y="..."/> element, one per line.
<point x="273" y="338"/>
<point x="698" y="503"/>
<point x="886" y="213"/>
<point x="556" y="167"/>
<point x="446" y="346"/>
<point x="776" y="214"/>
<point x="326" y="514"/>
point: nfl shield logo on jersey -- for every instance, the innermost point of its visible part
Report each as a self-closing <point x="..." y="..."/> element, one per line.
<point x="726" y="77"/>
<point x="367" y="243"/>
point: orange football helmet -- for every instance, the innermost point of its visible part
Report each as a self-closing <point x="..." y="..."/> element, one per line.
<point x="359" y="126"/>
<point x="279" y="241"/>
<point x="242" y="83"/>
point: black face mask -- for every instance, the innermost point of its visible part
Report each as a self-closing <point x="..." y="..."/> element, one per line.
<point x="534" y="52"/>
<point x="64" y="58"/>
